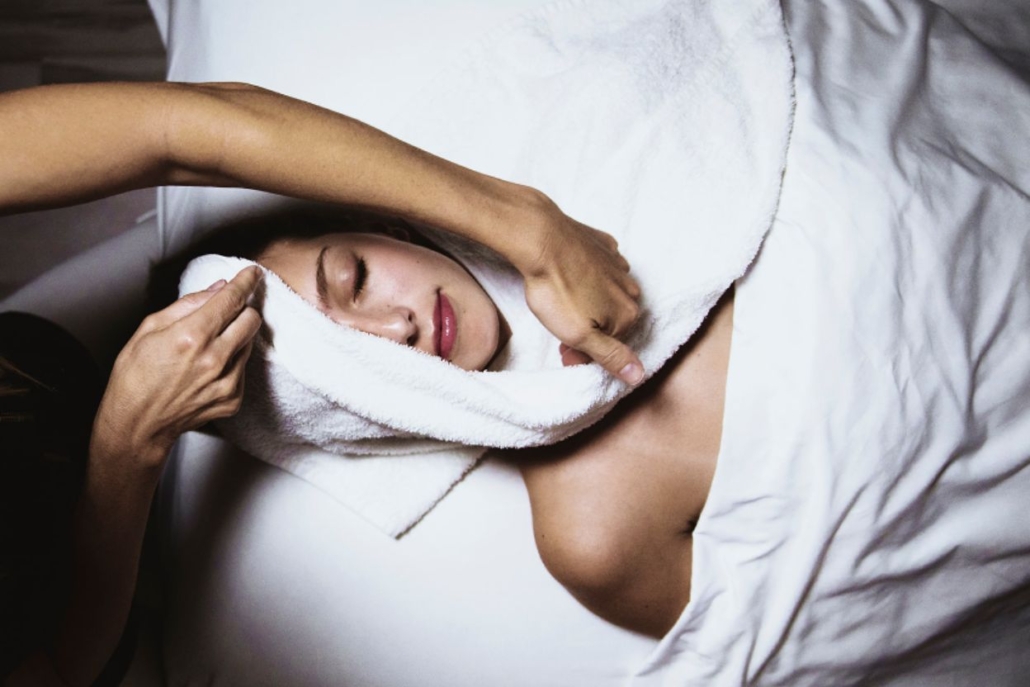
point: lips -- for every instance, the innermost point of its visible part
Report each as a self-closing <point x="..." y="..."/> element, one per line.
<point x="446" y="326"/>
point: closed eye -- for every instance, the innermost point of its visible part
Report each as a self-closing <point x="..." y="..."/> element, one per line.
<point x="321" y="283"/>
<point x="359" y="278"/>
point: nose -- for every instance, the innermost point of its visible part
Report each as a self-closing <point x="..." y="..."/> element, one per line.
<point x="396" y="324"/>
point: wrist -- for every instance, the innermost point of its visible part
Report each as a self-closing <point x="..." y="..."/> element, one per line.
<point x="119" y="445"/>
<point x="527" y="219"/>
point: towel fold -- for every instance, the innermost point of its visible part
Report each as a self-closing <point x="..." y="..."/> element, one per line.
<point x="663" y="123"/>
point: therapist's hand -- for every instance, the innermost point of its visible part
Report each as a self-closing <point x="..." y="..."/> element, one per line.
<point x="181" y="369"/>
<point x="580" y="288"/>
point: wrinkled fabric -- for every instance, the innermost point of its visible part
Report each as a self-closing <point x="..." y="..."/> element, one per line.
<point x="867" y="523"/>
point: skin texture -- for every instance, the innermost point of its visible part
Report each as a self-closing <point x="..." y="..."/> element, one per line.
<point x="399" y="284"/>
<point x="614" y="507"/>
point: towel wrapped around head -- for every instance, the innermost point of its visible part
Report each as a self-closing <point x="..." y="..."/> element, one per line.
<point x="664" y="123"/>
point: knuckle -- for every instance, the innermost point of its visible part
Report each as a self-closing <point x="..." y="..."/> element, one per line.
<point x="227" y="407"/>
<point x="632" y="312"/>
<point x="229" y="388"/>
<point x="208" y="363"/>
<point x="606" y="237"/>
<point x="186" y="341"/>
<point x="233" y="406"/>
<point x="580" y="340"/>
<point x="150" y="323"/>
<point x="242" y="358"/>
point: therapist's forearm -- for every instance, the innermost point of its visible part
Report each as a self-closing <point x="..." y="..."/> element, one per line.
<point x="246" y="136"/>
<point x="67" y="144"/>
<point x="61" y="145"/>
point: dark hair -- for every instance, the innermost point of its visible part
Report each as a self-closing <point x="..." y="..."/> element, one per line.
<point x="250" y="236"/>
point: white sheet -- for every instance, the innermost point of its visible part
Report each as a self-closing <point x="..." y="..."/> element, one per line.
<point x="867" y="513"/>
<point x="867" y="523"/>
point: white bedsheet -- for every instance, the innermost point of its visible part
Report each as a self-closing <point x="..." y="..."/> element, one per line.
<point x="867" y="519"/>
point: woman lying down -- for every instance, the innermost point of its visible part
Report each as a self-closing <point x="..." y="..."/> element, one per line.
<point x="184" y="365"/>
<point x="614" y="506"/>
<point x="438" y="350"/>
<point x="874" y="445"/>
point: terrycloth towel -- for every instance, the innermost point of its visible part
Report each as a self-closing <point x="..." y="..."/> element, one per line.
<point x="663" y="123"/>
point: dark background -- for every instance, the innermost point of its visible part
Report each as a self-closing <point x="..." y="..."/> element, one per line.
<point x="61" y="41"/>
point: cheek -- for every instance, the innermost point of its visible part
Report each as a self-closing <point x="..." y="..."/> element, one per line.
<point x="405" y="273"/>
<point x="487" y="324"/>
<point x="400" y="284"/>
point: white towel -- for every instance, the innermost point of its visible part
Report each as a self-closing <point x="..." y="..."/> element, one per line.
<point x="663" y="123"/>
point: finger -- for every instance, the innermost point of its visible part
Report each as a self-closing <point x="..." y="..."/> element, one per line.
<point x="186" y="305"/>
<point x="236" y="377"/>
<point x="632" y="287"/>
<point x="230" y="385"/>
<point x="240" y="365"/>
<point x="239" y="368"/>
<point x="229" y="302"/>
<point x="630" y="291"/>
<point x="218" y="411"/>
<point x="240" y="331"/>
<point x="570" y="356"/>
<point x="607" y="239"/>
<point x="614" y="356"/>
<point x="225" y="396"/>
<point x="622" y="319"/>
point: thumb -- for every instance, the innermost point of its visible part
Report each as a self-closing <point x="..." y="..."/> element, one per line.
<point x="614" y="356"/>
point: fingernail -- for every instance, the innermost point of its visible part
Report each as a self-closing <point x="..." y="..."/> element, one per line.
<point x="632" y="374"/>
<point x="216" y="286"/>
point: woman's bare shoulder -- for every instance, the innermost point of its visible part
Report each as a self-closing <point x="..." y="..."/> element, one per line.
<point x="671" y="427"/>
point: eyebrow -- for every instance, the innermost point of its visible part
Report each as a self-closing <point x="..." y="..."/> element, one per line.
<point x="321" y="284"/>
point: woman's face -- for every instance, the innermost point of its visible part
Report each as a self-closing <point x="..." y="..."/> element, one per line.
<point x="393" y="289"/>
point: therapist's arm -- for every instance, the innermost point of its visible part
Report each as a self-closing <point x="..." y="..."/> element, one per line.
<point x="66" y="144"/>
<point x="182" y="368"/>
